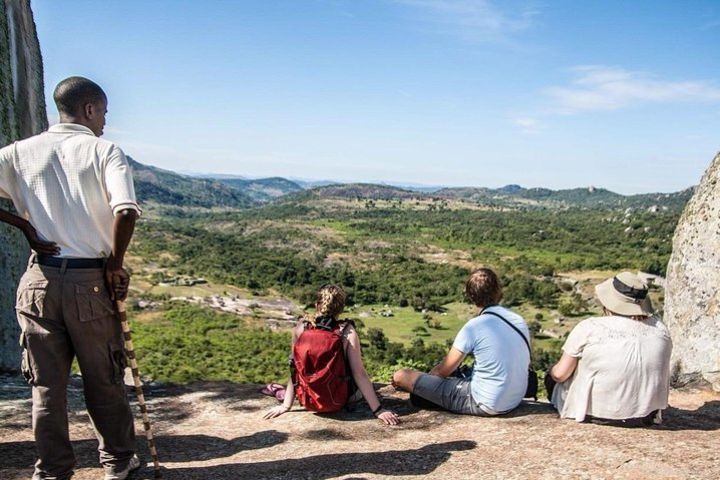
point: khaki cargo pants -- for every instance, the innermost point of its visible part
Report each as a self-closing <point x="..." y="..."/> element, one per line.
<point x="66" y="313"/>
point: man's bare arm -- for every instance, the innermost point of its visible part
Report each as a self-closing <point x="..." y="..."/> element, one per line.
<point x="36" y="243"/>
<point x="449" y="364"/>
<point x="116" y="277"/>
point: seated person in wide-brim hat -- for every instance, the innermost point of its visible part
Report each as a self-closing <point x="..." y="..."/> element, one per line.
<point x="615" y="368"/>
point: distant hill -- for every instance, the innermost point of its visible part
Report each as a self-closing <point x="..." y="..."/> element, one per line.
<point x="166" y="187"/>
<point x="262" y="189"/>
<point x="511" y="189"/>
<point x="154" y="184"/>
<point x="670" y="200"/>
<point x="589" y="197"/>
<point x="367" y="191"/>
<point x="308" y="184"/>
<point x="575" y="196"/>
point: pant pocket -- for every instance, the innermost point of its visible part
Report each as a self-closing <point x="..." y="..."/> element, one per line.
<point x="25" y="364"/>
<point x="93" y="301"/>
<point x="31" y="298"/>
<point x="119" y="362"/>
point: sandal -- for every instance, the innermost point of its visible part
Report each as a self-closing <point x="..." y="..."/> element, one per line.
<point x="280" y="394"/>
<point x="274" y="390"/>
<point x="270" y="389"/>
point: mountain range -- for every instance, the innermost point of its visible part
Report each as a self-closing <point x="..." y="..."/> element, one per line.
<point x="170" y="188"/>
<point x="156" y="185"/>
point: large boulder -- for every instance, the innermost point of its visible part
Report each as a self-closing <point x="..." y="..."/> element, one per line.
<point x="22" y="114"/>
<point x="692" y="297"/>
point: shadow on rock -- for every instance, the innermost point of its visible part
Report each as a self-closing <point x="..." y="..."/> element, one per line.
<point x="233" y="395"/>
<point x="528" y="407"/>
<point x="705" y="418"/>
<point x="421" y="461"/>
<point x="176" y="448"/>
<point x="525" y="408"/>
<point x="188" y="448"/>
<point x="22" y="454"/>
<point x="360" y="411"/>
<point x="14" y="387"/>
<point x="326" y="434"/>
<point x="165" y="410"/>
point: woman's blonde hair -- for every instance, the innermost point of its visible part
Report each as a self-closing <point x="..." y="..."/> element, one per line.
<point x="330" y="301"/>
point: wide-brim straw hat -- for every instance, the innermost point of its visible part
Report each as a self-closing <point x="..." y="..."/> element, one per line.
<point x="625" y="294"/>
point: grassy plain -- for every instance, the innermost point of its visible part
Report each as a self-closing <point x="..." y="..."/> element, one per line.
<point x="401" y="326"/>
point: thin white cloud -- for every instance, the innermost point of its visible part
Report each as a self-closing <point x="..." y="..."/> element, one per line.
<point x="598" y="87"/>
<point x="475" y="20"/>
<point x="528" y="125"/>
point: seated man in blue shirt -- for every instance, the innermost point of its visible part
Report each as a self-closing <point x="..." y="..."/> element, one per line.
<point x="500" y="371"/>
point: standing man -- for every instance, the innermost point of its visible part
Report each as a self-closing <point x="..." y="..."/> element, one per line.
<point x="76" y="206"/>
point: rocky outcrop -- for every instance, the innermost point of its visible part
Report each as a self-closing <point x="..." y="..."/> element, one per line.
<point x="215" y="431"/>
<point x="22" y="114"/>
<point x="692" y="298"/>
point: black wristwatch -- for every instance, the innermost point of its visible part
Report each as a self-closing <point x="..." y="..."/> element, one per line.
<point x="377" y="410"/>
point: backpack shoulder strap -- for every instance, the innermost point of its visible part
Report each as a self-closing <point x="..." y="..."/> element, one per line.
<point x="527" y="343"/>
<point x="343" y="326"/>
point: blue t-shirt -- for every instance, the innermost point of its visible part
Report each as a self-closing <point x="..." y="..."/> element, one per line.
<point x="500" y="371"/>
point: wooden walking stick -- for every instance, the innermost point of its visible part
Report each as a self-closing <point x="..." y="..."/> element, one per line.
<point x="130" y="352"/>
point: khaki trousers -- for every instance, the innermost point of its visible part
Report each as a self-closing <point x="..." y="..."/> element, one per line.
<point x="67" y="313"/>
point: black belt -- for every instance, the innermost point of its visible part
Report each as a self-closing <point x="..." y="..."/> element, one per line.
<point x="59" y="262"/>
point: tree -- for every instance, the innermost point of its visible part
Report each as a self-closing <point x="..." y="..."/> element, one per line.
<point x="566" y="308"/>
<point x="534" y="328"/>
<point x="377" y="338"/>
<point x="435" y="323"/>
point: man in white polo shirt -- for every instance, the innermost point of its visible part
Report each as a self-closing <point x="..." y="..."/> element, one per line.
<point x="76" y="206"/>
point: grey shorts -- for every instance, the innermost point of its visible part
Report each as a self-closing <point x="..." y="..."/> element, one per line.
<point x="450" y="393"/>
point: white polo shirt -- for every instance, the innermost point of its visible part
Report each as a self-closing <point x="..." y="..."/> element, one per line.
<point x="69" y="184"/>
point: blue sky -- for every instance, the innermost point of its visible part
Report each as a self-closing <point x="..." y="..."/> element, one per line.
<point x="623" y="95"/>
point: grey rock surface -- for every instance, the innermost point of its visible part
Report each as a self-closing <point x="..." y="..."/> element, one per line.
<point x="692" y="297"/>
<point x="22" y="114"/>
<point x="215" y="431"/>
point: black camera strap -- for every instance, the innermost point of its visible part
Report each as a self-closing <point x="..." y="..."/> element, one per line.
<point x="513" y="327"/>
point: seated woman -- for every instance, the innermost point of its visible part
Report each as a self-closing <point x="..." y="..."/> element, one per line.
<point x="614" y="368"/>
<point x="500" y="370"/>
<point x="329" y="305"/>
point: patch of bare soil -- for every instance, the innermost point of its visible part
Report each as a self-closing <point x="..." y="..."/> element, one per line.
<point x="433" y="254"/>
<point x="360" y="259"/>
<point x="301" y="229"/>
<point x="216" y="431"/>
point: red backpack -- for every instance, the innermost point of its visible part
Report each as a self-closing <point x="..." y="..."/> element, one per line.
<point x="321" y="374"/>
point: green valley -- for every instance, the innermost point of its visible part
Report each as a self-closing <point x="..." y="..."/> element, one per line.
<point x="241" y="273"/>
